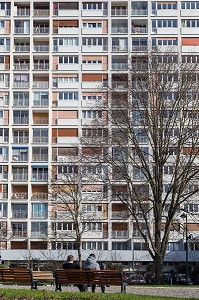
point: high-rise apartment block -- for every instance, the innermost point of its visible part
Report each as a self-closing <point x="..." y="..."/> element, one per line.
<point x="54" y="56"/>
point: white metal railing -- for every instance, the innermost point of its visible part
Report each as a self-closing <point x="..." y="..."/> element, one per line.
<point x="41" y="84"/>
<point x="21" y="195"/>
<point x="40" y="214"/>
<point x="4" y="157"/>
<point x="40" y="121"/>
<point x="40" y="103"/>
<point x="38" y="234"/>
<point x="139" y="12"/>
<point x="5" y="139"/>
<point x="21" y="84"/>
<point x="139" y="48"/>
<point x="22" y="48"/>
<point x="5" y="176"/>
<point x="21" y="121"/>
<point x="17" y="233"/>
<point x="23" y="12"/>
<point x="39" y="196"/>
<point x="140" y="66"/>
<point x="39" y="177"/>
<point x="21" y="102"/>
<point x="40" y="157"/>
<point x="21" y="66"/>
<point x="20" y="177"/>
<point x="119" y="66"/>
<point x="40" y="139"/>
<point x="41" y="48"/>
<point x="120" y="215"/>
<point x="19" y="214"/>
<point x="41" y="12"/>
<point x="139" y="30"/>
<point x="44" y="66"/>
<point x="20" y="139"/>
<point x="119" y="48"/>
<point x="5" y="83"/>
<point x="4" y="214"/>
<point x="41" y="30"/>
<point x="123" y="234"/>
<point x="21" y="30"/>
<point x="119" y="30"/>
<point x="119" y="12"/>
<point x="20" y="157"/>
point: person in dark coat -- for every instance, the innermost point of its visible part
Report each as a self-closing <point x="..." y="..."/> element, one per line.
<point x="70" y="264"/>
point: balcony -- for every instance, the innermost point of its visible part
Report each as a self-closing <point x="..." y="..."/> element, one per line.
<point x="3" y="158"/>
<point x="3" y="196"/>
<point x="22" y="48"/>
<point x="95" y="30"/>
<point x="167" y="13"/>
<point x="187" y="30"/>
<point x="41" y="48"/>
<point x="4" y="48"/>
<point x="41" y="66"/>
<point x="66" y="48"/>
<point x="20" y="157"/>
<point x="40" y="139"/>
<point x="40" y="177"/>
<point x="41" y="103"/>
<point x="94" y="12"/>
<point x="119" y="66"/>
<point x="140" y="66"/>
<point x="21" y="30"/>
<point x="4" y="84"/>
<point x="21" y="102"/>
<point x="21" y="84"/>
<point x="65" y="30"/>
<point x="139" y="30"/>
<point x="40" y="84"/>
<point x="4" y="176"/>
<point x="39" y="196"/>
<point x="22" y="12"/>
<point x="21" y="121"/>
<point x="172" y="30"/>
<point x="95" y="49"/>
<point x="20" y="196"/>
<point x="139" y="48"/>
<point x="20" y="139"/>
<point x="116" y="11"/>
<point x="38" y="234"/>
<point x="139" y="12"/>
<point x="120" y="234"/>
<point x="20" y="214"/>
<point x="5" y="12"/>
<point x="116" y="30"/>
<point x="39" y="214"/>
<point x="40" y="121"/>
<point x="40" y="157"/>
<point x="67" y="13"/>
<point x="120" y="215"/>
<point x="20" y="177"/>
<point x="21" y="66"/>
<point x="41" y="12"/>
<point x="4" y="67"/>
<point x="19" y="234"/>
<point x="41" y="30"/>
<point x="118" y="48"/>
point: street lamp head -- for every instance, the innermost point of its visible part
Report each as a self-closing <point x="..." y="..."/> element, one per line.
<point x="184" y="216"/>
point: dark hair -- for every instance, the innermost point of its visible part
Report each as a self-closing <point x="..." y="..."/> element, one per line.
<point x="92" y="255"/>
<point x="70" y="257"/>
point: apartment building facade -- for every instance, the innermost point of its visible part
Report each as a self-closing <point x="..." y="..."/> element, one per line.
<point x="54" y="56"/>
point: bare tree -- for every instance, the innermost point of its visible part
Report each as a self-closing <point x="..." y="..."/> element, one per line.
<point x="152" y="137"/>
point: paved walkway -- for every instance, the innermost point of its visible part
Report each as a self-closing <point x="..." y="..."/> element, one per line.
<point x="181" y="292"/>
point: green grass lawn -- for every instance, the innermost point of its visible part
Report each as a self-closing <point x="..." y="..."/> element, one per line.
<point x="15" y="294"/>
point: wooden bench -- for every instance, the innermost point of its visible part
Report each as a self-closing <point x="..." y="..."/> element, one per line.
<point x="16" y="275"/>
<point x="43" y="277"/>
<point x="101" y="277"/>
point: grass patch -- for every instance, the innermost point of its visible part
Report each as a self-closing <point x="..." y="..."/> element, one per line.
<point x="15" y="294"/>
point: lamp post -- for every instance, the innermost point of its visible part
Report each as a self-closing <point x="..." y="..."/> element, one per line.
<point x="184" y="216"/>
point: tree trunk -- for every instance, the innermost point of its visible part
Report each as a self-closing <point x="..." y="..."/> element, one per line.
<point x="158" y="261"/>
<point x="79" y="253"/>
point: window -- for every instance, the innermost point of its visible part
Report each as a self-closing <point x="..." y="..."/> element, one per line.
<point x="189" y="5"/>
<point x="92" y="226"/>
<point x="92" y="114"/>
<point x="92" y="6"/>
<point x="164" y="5"/>
<point x="168" y="170"/>
<point x="40" y="98"/>
<point x="164" y="23"/>
<point x="94" y="245"/>
<point x="120" y="246"/>
<point x="68" y="60"/>
<point x="192" y="208"/>
<point x="68" y="96"/>
<point x="92" y="61"/>
<point x="71" y="169"/>
<point x="173" y="246"/>
<point x="67" y="42"/>
<point x="39" y="229"/>
<point x="141" y="135"/>
<point x="139" y="174"/>
<point x="92" y="25"/>
<point x="92" y="208"/>
<point x="94" y="41"/>
<point x="92" y="98"/>
<point x="190" y="23"/>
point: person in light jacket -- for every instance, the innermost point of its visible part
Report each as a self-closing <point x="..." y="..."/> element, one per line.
<point x="90" y="264"/>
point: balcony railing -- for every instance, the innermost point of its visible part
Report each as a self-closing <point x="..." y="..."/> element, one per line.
<point x="139" y="12"/>
<point x="41" y="48"/>
<point x="19" y="214"/>
<point x="40" y="139"/>
<point x="119" y="30"/>
<point x="40" y="196"/>
<point x="120" y="215"/>
<point x="40" y="121"/>
<point x="18" y="66"/>
<point x="19" y="234"/>
<point x="139" y="30"/>
<point x="38" y="234"/>
<point x="4" y="157"/>
<point x="20" y="177"/>
<point x="23" y="12"/>
<point x="20" y="157"/>
<point x="22" y="48"/>
<point x="44" y="66"/>
<point x="40" y="157"/>
<point x="3" y="214"/>
<point x="41" y="12"/>
<point x="119" y="48"/>
<point x="5" y="176"/>
<point x="119" y="12"/>
<point x="40" y="214"/>
<point x="139" y="48"/>
<point x="21" y="121"/>
<point x="21" y="195"/>
<point x="119" y="66"/>
<point x="120" y="234"/>
<point x="21" y="84"/>
<point x="20" y="139"/>
<point x="140" y="66"/>
<point x="4" y="196"/>
<point x="21" y="102"/>
<point x="40" y="177"/>
<point x="41" y="103"/>
<point x="41" y="30"/>
<point x="40" y="84"/>
<point x="20" y="30"/>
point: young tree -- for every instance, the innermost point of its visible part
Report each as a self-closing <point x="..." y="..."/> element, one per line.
<point x="154" y="143"/>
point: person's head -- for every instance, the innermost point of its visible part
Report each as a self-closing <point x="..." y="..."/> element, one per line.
<point x="92" y="255"/>
<point x="70" y="258"/>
